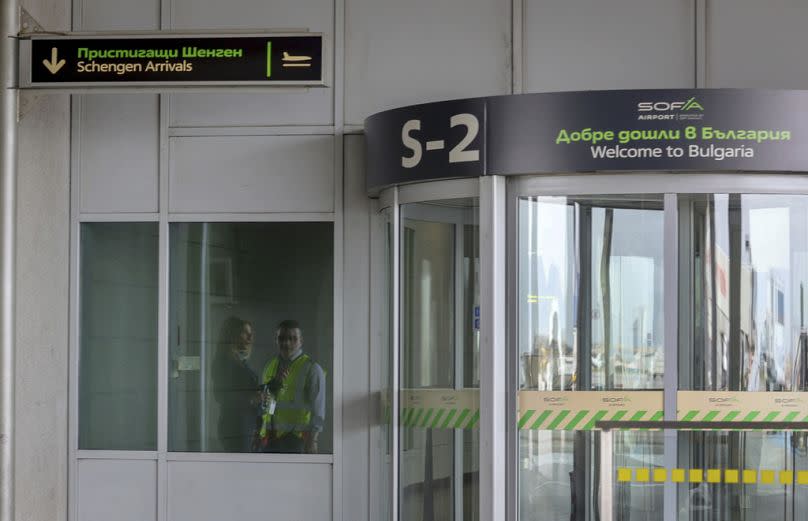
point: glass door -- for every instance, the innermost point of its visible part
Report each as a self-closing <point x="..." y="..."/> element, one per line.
<point x="439" y="361"/>
<point x="589" y="330"/>
<point x="745" y="267"/>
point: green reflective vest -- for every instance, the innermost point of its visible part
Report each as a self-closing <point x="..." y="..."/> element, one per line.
<point x="292" y="413"/>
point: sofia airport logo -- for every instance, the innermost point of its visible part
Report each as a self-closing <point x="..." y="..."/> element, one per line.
<point x="670" y="110"/>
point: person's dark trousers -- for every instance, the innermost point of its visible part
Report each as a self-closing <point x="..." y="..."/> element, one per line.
<point x="288" y="444"/>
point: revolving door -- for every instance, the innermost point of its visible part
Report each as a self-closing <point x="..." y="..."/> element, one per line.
<point x="627" y="297"/>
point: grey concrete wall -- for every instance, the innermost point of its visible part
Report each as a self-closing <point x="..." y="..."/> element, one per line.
<point x="42" y="293"/>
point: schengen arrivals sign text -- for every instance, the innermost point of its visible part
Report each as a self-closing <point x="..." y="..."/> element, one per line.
<point x="628" y="130"/>
<point x="59" y="62"/>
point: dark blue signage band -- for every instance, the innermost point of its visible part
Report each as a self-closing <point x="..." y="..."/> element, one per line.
<point x="595" y="131"/>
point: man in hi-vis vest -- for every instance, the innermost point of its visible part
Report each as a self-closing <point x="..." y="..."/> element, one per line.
<point x="293" y="397"/>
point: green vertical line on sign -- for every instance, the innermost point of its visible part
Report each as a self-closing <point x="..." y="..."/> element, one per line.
<point x="460" y="418"/>
<point x="751" y="416"/>
<point x="595" y="419"/>
<point x="269" y="59"/>
<point x="790" y="416"/>
<point x="448" y="418"/>
<point x="474" y="419"/>
<point x="436" y="421"/>
<point x="558" y="419"/>
<point x="690" y="415"/>
<point x="576" y="420"/>
<point x="543" y="416"/>
<point x="425" y="421"/>
<point x="525" y="418"/>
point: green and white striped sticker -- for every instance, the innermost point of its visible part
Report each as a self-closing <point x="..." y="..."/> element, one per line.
<point x="432" y="418"/>
<point x="440" y="408"/>
<point x="742" y="406"/>
<point x="581" y="410"/>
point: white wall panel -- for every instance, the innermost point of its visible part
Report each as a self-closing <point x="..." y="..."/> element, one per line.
<point x="285" y="107"/>
<point x="252" y="174"/>
<point x="117" y="15"/>
<point x="215" y="491"/>
<point x="614" y="44"/>
<point x="302" y="106"/>
<point x="117" y="489"/>
<point x="118" y="153"/>
<point x="356" y="306"/>
<point x="756" y="44"/>
<point x="405" y="52"/>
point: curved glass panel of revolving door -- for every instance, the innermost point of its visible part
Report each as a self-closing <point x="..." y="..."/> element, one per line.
<point x="439" y="374"/>
<point x="590" y="347"/>
<point x="744" y="270"/>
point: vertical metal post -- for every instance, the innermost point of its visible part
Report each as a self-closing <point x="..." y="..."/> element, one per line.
<point x="606" y="476"/>
<point x="395" y="385"/>
<point x="492" y="348"/>
<point x="459" y="362"/>
<point x="670" y="265"/>
<point x="9" y="17"/>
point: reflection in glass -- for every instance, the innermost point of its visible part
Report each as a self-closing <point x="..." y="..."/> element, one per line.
<point x="231" y="285"/>
<point x="590" y="317"/>
<point x="439" y="467"/>
<point x="118" y="336"/>
<point x="747" y="256"/>
<point x="750" y="258"/>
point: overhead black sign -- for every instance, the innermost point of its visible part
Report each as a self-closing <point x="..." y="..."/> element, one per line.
<point x="629" y="130"/>
<point x="173" y="61"/>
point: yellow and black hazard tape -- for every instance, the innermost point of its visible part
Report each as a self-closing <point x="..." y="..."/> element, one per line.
<point x="730" y="476"/>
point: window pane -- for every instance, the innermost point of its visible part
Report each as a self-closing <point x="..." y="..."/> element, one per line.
<point x="439" y="444"/>
<point x="590" y="318"/>
<point x="746" y="259"/>
<point x="118" y="344"/>
<point x="251" y="304"/>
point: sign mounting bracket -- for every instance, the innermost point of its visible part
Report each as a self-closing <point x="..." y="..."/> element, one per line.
<point x="28" y="24"/>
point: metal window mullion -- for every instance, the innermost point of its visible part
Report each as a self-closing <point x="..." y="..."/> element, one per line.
<point x="512" y="358"/>
<point x="73" y="327"/>
<point x="8" y="221"/>
<point x="670" y="304"/>
<point x="606" y="497"/>
<point x="459" y="359"/>
<point x="493" y="390"/>
<point x="163" y="314"/>
<point x="395" y="359"/>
